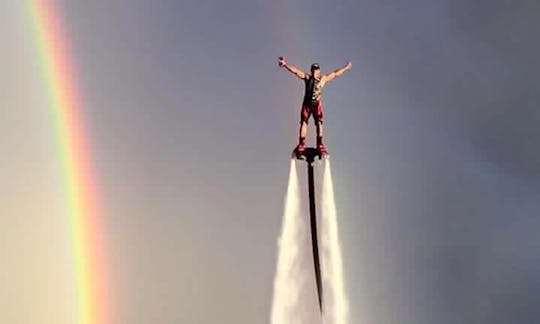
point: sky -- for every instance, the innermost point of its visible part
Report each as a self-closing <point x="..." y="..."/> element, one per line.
<point x="433" y="136"/>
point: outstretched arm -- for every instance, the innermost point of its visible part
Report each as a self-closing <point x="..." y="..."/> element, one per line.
<point x="330" y="76"/>
<point x="294" y="70"/>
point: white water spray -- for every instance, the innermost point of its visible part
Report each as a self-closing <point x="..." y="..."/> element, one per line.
<point x="295" y="294"/>
<point x="285" y="286"/>
<point x="334" y="296"/>
<point x="294" y="300"/>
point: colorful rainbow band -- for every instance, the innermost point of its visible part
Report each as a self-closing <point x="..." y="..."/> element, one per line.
<point x="67" y="117"/>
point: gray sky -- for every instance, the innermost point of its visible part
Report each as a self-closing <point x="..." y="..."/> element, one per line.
<point x="434" y="139"/>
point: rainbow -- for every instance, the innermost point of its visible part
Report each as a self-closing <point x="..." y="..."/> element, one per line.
<point x="66" y="115"/>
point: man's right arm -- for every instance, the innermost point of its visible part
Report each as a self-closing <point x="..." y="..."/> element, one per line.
<point x="294" y="70"/>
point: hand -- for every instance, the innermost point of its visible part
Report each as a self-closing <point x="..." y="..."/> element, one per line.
<point x="349" y="65"/>
<point x="281" y="61"/>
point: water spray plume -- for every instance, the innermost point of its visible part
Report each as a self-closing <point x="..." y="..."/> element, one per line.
<point x="335" y="299"/>
<point x="294" y="300"/>
<point x="296" y="294"/>
<point x="286" y="292"/>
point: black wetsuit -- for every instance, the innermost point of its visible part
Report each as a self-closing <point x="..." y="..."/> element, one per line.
<point x="312" y="104"/>
<point x="313" y="90"/>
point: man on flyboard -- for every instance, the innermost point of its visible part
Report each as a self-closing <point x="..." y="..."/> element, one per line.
<point x="312" y="104"/>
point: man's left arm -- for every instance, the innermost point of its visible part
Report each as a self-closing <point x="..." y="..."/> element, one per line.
<point x="330" y="76"/>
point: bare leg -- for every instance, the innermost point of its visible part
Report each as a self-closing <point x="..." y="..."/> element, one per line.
<point x="303" y="130"/>
<point x="301" y="139"/>
<point x="320" y="145"/>
<point x="319" y="130"/>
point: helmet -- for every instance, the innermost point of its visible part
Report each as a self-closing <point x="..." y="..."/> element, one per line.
<point x="315" y="66"/>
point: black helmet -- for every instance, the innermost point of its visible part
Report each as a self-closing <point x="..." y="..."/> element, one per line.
<point x="315" y="66"/>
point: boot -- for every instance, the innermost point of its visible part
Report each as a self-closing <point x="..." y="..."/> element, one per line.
<point x="320" y="146"/>
<point x="301" y="147"/>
